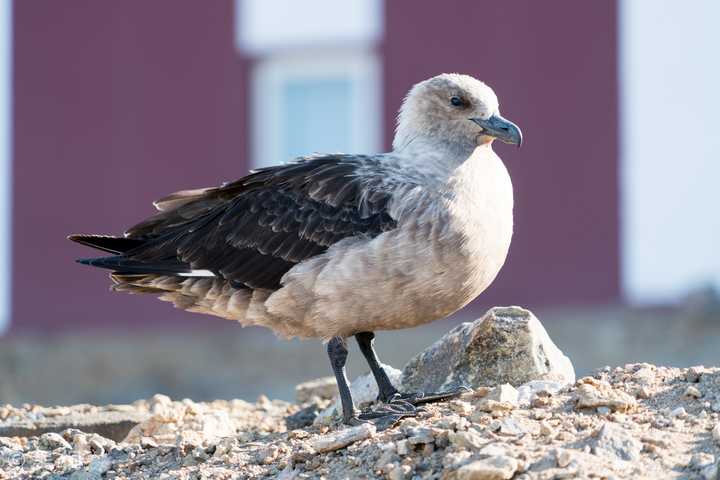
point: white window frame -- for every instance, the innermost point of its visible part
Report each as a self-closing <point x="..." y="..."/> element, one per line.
<point x="360" y="66"/>
<point x="5" y="163"/>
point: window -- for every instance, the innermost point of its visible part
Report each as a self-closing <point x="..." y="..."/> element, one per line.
<point x="316" y="78"/>
<point x="303" y="105"/>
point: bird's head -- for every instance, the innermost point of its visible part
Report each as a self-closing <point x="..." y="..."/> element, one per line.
<point x="453" y="109"/>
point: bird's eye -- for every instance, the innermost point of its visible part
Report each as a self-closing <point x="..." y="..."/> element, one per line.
<point x="457" y="102"/>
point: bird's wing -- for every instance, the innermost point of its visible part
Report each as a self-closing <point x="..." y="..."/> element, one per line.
<point x="254" y="230"/>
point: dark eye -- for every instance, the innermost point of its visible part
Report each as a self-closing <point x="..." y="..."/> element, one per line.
<point x="457" y="102"/>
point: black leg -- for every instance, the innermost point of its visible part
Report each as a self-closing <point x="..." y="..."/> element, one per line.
<point x="337" y="351"/>
<point x="385" y="389"/>
<point x="388" y="393"/>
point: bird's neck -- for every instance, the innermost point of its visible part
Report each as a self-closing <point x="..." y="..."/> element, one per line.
<point x="441" y="161"/>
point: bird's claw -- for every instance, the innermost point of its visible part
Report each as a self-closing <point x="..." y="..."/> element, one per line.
<point x="420" y="398"/>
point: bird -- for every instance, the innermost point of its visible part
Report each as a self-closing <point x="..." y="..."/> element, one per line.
<point x="332" y="246"/>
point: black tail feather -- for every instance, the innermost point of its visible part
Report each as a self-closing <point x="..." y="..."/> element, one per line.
<point x="106" y="243"/>
<point x="124" y="265"/>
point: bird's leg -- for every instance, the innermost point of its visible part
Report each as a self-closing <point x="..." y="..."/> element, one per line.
<point x="337" y="351"/>
<point x="386" y="391"/>
<point x="383" y="417"/>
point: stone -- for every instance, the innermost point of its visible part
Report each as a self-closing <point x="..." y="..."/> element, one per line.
<point x="499" y="467"/>
<point x="615" y="440"/>
<point x="716" y="433"/>
<point x="504" y="393"/>
<point x="467" y="440"/>
<point x="678" y="412"/>
<point x="324" y="388"/>
<point x="170" y="425"/>
<point x="701" y="460"/>
<point x="692" y="392"/>
<point x="507" y="345"/>
<point x="694" y="374"/>
<point x="111" y="424"/>
<point x="563" y="457"/>
<point x="527" y="392"/>
<point x="416" y="436"/>
<point x="603" y="395"/>
<point x="343" y="438"/>
<point x="302" y="418"/>
<point x="364" y="391"/>
<point x="52" y="440"/>
<point x="711" y="472"/>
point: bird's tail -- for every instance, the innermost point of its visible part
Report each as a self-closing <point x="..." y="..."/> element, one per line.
<point x="122" y="260"/>
<point x="107" y="243"/>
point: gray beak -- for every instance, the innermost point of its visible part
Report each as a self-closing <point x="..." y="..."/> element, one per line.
<point x="500" y="128"/>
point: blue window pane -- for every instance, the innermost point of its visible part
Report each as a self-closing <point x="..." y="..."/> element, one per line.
<point x="316" y="116"/>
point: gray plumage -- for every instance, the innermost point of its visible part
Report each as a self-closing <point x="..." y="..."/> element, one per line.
<point x="333" y="245"/>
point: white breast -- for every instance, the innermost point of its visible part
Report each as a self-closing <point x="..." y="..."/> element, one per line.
<point x="482" y="213"/>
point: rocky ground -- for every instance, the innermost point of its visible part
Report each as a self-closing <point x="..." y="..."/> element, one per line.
<point x="635" y="421"/>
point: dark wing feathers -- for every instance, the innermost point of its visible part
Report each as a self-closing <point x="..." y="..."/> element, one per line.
<point x="252" y="231"/>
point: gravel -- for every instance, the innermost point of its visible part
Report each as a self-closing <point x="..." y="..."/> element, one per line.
<point x="635" y="421"/>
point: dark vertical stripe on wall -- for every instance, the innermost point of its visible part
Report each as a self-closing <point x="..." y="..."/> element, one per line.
<point x="116" y="104"/>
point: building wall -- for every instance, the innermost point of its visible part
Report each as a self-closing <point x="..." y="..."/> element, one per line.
<point x="116" y="105"/>
<point x="553" y="66"/>
<point x="119" y="103"/>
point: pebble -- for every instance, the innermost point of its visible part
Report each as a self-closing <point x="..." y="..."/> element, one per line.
<point x="617" y="441"/>
<point x="343" y="438"/>
<point x="692" y="392"/>
<point x="504" y="393"/>
<point x="563" y="457"/>
<point x="603" y="395"/>
<point x="678" y="412"/>
<point x="694" y="374"/>
<point x="701" y="460"/>
<point x="461" y="407"/>
<point x="399" y="472"/>
<point x="499" y="467"/>
<point x="52" y="440"/>
<point x="324" y="388"/>
<point x="467" y="440"/>
<point x="716" y="433"/>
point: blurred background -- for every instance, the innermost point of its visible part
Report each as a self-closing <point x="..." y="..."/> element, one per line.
<point x="107" y="106"/>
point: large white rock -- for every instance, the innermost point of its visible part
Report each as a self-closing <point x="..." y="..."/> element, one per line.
<point x="507" y="345"/>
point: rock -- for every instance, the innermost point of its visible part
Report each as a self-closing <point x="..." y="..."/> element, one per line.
<point x="603" y="395"/>
<point x="678" y="412"/>
<point x="694" y="374"/>
<point x="302" y="418"/>
<point x="469" y="440"/>
<point x="692" y="392"/>
<point x="504" y="393"/>
<point x="617" y="441"/>
<point x="716" y="433"/>
<point x="507" y="345"/>
<point x="364" y="391"/>
<point x="416" y="436"/>
<point x="528" y="391"/>
<point x="52" y="440"/>
<point x="175" y="423"/>
<point x="499" y="467"/>
<point x="711" y="472"/>
<point x="343" y="438"/>
<point x="700" y="461"/>
<point x="324" y="388"/>
<point x="110" y="424"/>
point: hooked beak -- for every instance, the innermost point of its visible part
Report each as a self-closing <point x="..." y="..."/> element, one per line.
<point x="500" y="128"/>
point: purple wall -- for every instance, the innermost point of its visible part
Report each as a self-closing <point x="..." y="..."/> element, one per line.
<point x="553" y="65"/>
<point x="117" y="104"/>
